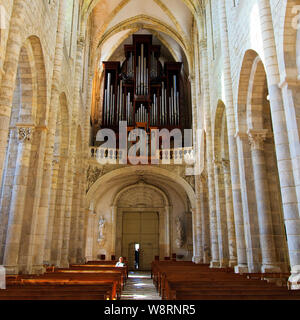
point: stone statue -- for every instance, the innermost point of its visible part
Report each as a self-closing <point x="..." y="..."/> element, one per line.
<point x="180" y="232"/>
<point x="101" y="228"/>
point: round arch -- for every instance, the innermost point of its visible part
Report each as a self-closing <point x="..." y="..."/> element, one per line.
<point x="153" y="170"/>
<point x="149" y="186"/>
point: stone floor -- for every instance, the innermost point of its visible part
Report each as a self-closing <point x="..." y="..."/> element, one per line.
<point x="139" y="286"/>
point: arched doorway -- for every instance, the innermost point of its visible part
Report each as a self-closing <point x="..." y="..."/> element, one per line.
<point x="140" y="238"/>
<point x="142" y="225"/>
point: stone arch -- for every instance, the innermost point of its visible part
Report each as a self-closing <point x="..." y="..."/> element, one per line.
<point x="291" y="41"/>
<point x="152" y="25"/>
<point x="41" y="114"/>
<point x="242" y="98"/>
<point x="259" y="182"/>
<point x="257" y="92"/>
<point x="148" y="198"/>
<point x="153" y="170"/>
<point x="162" y="194"/>
<point x="27" y="124"/>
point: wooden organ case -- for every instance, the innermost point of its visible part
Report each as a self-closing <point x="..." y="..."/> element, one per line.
<point x="141" y="92"/>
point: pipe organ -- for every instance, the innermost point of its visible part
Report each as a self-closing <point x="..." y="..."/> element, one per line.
<point x="141" y="91"/>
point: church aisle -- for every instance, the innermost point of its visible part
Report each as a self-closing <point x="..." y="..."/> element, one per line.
<point x="140" y="286"/>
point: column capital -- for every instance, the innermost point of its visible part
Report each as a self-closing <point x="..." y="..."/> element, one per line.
<point x="55" y="161"/>
<point x="217" y="163"/>
<point x="203" y="44"/>
<point x="226" y="165"/>
<point x="25" y="132"/>
<point x="257" y="138"/>
<point x="80" y="41"/>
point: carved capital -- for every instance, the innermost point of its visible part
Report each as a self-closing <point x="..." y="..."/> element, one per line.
<point x="55" y="162"/>
<point x="226" y="165"/>
<point x="25" y="134"/>
<point x="203" y="44"/>
<point x="217" y="163"/>
<point x="257" y="138"/>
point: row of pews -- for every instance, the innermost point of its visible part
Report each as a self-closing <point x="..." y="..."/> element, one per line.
<point x="95" y="280"/>
<point x="184" y="280"/>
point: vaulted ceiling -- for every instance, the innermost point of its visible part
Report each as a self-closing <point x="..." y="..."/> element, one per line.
<point x="170" y="21"/>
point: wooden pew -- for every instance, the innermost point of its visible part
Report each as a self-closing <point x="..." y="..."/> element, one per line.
<point x="188" y="282"/>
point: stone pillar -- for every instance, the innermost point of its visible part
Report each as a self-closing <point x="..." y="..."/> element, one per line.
<point x="221" y="215"/>
<point x="233" y="152"/>
<point x="90" y="233"/>
<point x="75" y="213"/>
<point x="230" y="213"/>
<point x="283" y="152"/>
<point x="209" y="151"/>
<point x="44" y="212"/>
<point x="13" y="47"/>
<point x="269" y="263"/>
<point x="197" y="224"/>
<point x="18" y="199"/>
<point x="80" y="247"/>
<point x="167" y="249"/>
<point x="75" y="114"/>
<point x="51" y="213"/>
<point x="57" y="234"/>
<point x="205" y="219"/>
<point x="7" y="186"/>
<point x="114" y="211"/>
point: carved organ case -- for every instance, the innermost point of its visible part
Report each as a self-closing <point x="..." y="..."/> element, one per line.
<point x="141" y="91"/>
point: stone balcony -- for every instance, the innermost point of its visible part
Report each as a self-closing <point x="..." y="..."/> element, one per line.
<point x="104" y="160"/>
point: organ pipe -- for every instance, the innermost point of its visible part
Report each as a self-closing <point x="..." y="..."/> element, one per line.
<point x="119" y="105"/>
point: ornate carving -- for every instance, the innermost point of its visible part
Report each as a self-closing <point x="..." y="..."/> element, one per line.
<point x="190" y="180"/>
<point x="101" y="228"/>
<point x="180" y="233"/>
<point x="257" y="139"/>
<point x="25" y="134"/>
<point x="226" y="165"/>
<point x="93" y="174"/>
<point x="52" y="4"/>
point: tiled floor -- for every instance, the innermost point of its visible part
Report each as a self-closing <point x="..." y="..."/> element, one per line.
<point x="139" y="286"/>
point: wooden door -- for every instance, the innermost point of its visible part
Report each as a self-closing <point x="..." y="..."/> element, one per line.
<point x="141" y="228"/>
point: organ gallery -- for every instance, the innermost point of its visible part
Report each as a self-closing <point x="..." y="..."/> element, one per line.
<point x="141" y="90"/>
<point x="162" y="132"/>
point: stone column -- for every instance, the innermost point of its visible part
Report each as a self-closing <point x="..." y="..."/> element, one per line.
<point x="75" y="114"/>
<point x="221" y="214"/>
<point x="43" y="213"/>
<point x="13" y="47"/>
<point x="283" y="152"/>
<point x="197" y="224"/>
<point x="233" y="152"/>
<point x="18" y="199"/>
<point x="7" y="186"/>
<point x="90" y="233"/>
<point x="114" y="211"/>
<point x="205" y="219"/>
<point x="167" y="250"/>
<point x="230" y="213"/>
<point x="269" y="263"/>
<point x="80" y="247"/>
<point x="74" y="203"/>
<point x="51" y="213"/>
<point x="209" y="151"/>
<point x="57" y="234"/>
